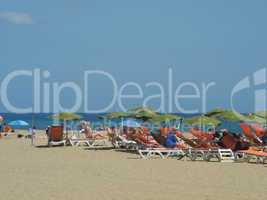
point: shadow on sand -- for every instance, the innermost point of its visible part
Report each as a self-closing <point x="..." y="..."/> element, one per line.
<point x="98" y="148"/>
<point x="47" y="146"/>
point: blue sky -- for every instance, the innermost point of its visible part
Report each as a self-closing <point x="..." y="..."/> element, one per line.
<point x="203" y="41"/>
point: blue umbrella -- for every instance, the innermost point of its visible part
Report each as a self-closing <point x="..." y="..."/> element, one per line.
<point x="18" y="123"/>
<point x="131" y="123"/>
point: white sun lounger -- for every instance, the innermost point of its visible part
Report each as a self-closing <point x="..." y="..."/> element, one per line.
<point x="78" y="142"/>
<point x="161" y="152"/>
<point x="91" y="143"/>
<point x="123" y="142"/>
<point x="53" y="143"/>
<point x="251" y="157"/>
<point x="221" y="155"/>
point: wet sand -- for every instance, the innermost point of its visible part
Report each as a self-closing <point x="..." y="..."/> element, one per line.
<point x="30" y="173"/>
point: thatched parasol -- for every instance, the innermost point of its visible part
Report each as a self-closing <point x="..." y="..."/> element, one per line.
<point x="65" y="116"/>
<point x="143" y="113"/>
<point x="255" y="118"/>
<point x="116" y="115"/>
<point x="164" y="118"/>
<point x="202" y="121"/>
<point x="226" y="115"/>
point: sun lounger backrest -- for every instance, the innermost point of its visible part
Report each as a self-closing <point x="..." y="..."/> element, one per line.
<point x="228" y="141"/>
<point x="259" y="131"/>
<point x="188" y="141"/>
<point x="226" y="155"/>
<point x="246" y="130"/>
<point x="252" y="134"/>
<point x="201" y="134"/>
<point x="56" y="133"/>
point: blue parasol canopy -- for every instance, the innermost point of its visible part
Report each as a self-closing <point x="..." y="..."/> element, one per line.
<point x="18" y="123"/>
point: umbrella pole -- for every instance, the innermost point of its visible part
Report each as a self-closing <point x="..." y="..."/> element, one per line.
<point x="122" y="125"/>
<point x="202" y="124"/>
<point x="181" y="124"/>
<point x="32" y="129"/>
<point x="66" y="128"/>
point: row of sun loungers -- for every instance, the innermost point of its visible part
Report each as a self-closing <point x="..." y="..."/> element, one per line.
<point x="220" y="155"/>
<point x="199" y="149"/>
<point x="55" y="138"/>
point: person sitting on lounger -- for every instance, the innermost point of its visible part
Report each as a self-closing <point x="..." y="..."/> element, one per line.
<point x="112" y="134"/>
<point x="144" y="138"/>
<point x="171" y="140"/>
<point x="159" y="138"/>
<point x="164" y="131"/>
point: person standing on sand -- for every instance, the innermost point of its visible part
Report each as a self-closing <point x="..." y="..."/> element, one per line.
<point x="32" y="132"/>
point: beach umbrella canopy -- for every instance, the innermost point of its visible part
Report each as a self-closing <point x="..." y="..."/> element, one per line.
<point x="262" y="114"/>
<point x="146" y="110"/>
<point x="214" y="112"/>
<point x="255" y="118"/>
<point x="202" y="120"/>
<point x="131" y="123"/>
<point x="18" y="123"/>
<point x="226" y="115"/>
<point x="65" y="116"/>
<point x="116" y="115"/>
<point x="164" y="118"/>
<point x="143" y="113"/>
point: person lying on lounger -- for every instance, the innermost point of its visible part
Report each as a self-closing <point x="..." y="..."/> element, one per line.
<point x="87" y="130"/>
<point x="143" y="137"/>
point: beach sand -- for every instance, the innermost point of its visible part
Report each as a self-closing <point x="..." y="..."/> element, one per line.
<point x="30" y="173"/>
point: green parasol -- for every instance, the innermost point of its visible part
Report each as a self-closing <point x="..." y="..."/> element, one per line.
<point x="226" y="115"/>
<point x="202" y="120"/>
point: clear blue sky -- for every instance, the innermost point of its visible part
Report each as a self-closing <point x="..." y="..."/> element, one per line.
<point x="135" y="40"/>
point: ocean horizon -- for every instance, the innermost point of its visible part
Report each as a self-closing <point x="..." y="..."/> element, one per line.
<point x="41" y="120"/>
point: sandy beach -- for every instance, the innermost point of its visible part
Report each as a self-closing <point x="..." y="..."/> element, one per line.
<point x="30" y="173"/>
